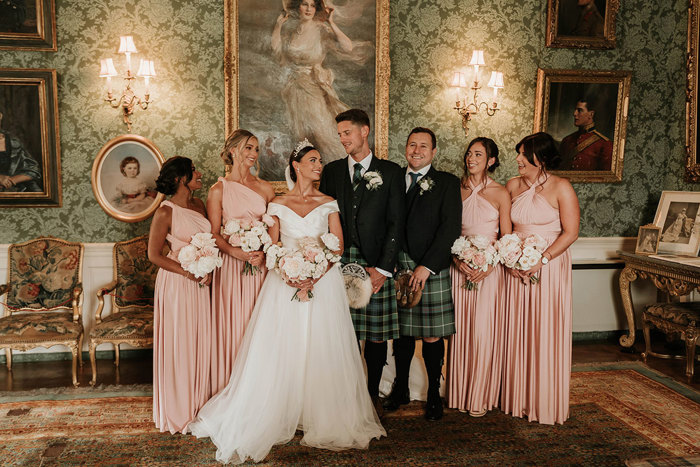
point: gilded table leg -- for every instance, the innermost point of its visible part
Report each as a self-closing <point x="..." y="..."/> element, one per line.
<point x="627" y="276"/>
<point x="691" y="339"/>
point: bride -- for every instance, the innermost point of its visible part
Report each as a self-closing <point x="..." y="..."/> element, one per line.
<point x="298" y="366"/>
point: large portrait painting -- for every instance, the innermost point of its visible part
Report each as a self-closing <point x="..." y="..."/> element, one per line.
<point x="586" y="113"/>
<point x="586" y="24"/>
<point x="30" y="156"/>
<point x="124" y="178"/>
<point x="28" y="25"/>
<point x="692" y="166"/>
<point x="292" y="65"/>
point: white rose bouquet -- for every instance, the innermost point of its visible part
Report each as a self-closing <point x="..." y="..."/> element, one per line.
<point x="309" y="261"/>
<point x="248" y="235"/>
<point x="477" y="252"/>
<point x="521" y="254"/>
<point x="201" y="256"/>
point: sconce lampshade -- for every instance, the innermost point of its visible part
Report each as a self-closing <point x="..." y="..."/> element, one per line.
<point x="458" y="80"/>
<point x="107" y="68"/>
<point x="126" y="45"/>
<point x="496" y="80"/>
<point x="477" y="58"/>
<point x="146" y="69"/>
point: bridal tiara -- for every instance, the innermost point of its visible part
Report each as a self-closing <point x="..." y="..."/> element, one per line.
<point x="302" y="145"/>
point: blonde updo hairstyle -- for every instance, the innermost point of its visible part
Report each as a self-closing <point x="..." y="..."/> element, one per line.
<point x="234" y="142"/>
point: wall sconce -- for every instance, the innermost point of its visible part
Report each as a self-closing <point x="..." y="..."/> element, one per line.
<point x="467" y="107"/>
<point x="128" y="99"/>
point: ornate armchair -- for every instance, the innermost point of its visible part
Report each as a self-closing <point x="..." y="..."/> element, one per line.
<point x="43" y="298"/>
<point x="131" y="319"/>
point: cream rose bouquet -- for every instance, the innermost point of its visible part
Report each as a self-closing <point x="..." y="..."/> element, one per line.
<point x="521" y="254"/>
<point x="309" y="261"/>
<point x="477" y="252"/>
<point x="201" y="256"/>
<point x="248" y="235"/>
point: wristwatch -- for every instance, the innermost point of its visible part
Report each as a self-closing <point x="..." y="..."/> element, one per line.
<point x="544" y="259"/>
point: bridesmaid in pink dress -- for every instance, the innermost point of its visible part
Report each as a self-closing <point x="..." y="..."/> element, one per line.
<point x="239" y="195"/>
<point x="182" y="312"/>
<point x="537" y="367"/>
<point x="475" y="358"/>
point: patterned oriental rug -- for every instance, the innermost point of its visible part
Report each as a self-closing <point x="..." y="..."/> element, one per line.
<point x="619" y="413"/>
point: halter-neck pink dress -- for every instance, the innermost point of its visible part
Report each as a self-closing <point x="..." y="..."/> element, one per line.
<point x="181" y="333"/>
<point x="537" y="367"/>
<point x="475" y="359"/>
<point x="233" y="294"/>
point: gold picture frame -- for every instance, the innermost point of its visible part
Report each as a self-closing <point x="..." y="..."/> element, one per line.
<point x="29" y="138"/>
<point x="592" y="152"/>
<point x="581" y="27"/>
<point x="692" y="165"/>
<point x="678" y="217"/>
<point x="123" y="178"/>
<point x="265" y="15"/>
<point x="648" y="240"/>
<point x="28" y="25"/>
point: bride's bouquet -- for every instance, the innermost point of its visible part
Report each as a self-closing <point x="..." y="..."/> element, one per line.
<point x="249" y="235"/>
<point x="309" y="261"/>
<point x="521" y="254"/>
<point x="201" y="256"/>
<point x="477" y="252"/>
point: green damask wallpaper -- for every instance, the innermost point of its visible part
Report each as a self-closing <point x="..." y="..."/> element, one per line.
<point x="429" y="40"/>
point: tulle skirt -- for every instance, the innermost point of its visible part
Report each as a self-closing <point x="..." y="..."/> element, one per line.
<point x="298" y="367"/>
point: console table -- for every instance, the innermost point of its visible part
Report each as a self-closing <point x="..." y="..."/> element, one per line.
<point x="671" y="277"/>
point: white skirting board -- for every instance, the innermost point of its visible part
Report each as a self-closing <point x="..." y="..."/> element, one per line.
<point x="597" y="306"/>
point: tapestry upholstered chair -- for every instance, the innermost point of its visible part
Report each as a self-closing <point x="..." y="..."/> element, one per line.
<point x="131" y="319"/>
<point x="676" y="320"/>
<point x="43" y="298"/>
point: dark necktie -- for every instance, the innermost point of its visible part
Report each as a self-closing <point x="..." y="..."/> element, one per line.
<point x="414" y="180"/>
<point x="357" y="176"/>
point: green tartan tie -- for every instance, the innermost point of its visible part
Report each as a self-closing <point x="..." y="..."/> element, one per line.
<point x="414" y="180"/>
<point x="357" y="176"/>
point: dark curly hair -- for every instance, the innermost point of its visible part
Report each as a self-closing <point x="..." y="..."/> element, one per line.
<point x="297" y="157"/>
<point x="540" y="146"/>
<point x="129" y="160"/>
<point x="174" y="170"/>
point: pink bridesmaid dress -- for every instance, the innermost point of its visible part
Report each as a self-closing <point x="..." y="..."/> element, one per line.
<point x="181" y="333"/>
<point x="537" y="366"/>
<point x="475" y="358"/>
<point x="233" y="294"/>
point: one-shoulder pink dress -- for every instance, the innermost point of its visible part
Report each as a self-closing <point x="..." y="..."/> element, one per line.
<point x="181" y="333"/>
<point x="537" y="367"/>
<point x="233" y="294"/>
<point x="475" y="360"/>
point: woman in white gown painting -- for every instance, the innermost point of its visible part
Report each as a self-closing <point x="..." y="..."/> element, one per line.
<point x="298" y="366"/>
<point x="303" y="34"/>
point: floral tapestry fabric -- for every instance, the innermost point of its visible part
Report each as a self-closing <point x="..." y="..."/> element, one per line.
<point x="43" y="274"/>
<point x="136" y="275"/>
<point x="43" y="326"/>
<point x="127" y="324"/>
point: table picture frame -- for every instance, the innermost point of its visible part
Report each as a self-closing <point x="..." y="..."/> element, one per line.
<point x="278" y="83"/>
<point x="678" y="217"/>
<point x="648" y="240"/>
<point x="123" y="178"/>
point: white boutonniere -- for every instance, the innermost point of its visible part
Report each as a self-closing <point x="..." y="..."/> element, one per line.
<point x="425" y="184"/>
<point x="374" y="180"/>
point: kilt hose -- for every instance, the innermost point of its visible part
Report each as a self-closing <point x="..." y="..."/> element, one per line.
<point x="434" y="316"/>
<point x="379" y="320"/>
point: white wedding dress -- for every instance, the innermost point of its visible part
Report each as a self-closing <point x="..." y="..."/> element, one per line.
<point x="298" y="367"/>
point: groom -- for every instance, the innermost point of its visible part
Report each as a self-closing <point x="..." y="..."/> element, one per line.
<point x="433" y="223"/>
<point x="370" y="194"/>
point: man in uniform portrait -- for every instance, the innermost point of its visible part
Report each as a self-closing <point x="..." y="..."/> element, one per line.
<point x="586" y="148"/>
<point x="590" y="22"/>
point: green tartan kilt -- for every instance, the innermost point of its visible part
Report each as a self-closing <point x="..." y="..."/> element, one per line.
<point x="379" y="320"/>
<point x="434" y="316"/>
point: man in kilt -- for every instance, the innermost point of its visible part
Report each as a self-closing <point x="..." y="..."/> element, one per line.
<point x="370" y="194"/>
<point x="433" y="223"/>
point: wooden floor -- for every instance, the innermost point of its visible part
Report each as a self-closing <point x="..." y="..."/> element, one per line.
<point x="34" y="375"/>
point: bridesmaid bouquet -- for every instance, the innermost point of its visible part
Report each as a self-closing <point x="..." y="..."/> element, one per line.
<point x="521" y="254"/>
<point x="249" y="235"/>
<point x="309" y="261"/>
<point x="201" y="256"/>
<point x="478" y="252"/>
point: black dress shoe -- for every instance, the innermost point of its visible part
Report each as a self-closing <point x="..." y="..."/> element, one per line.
<point x="433" y="409"/>
<point x="396" y="399"/>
